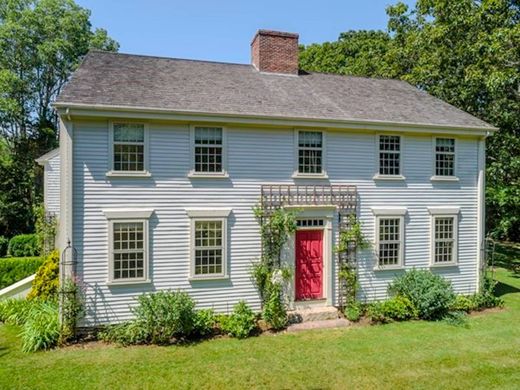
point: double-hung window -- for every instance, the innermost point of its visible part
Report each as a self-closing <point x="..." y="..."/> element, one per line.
<point x="444" y="231"/>
<point x="389" y="155"/>
<point x="208" y="150"/>
<point x="208" y="243"/>
<point x="128" y="147"/>
<point x="128" y="245"/>
<point x="445" y="157"/>
<point x="310" y="152"/>
<point x="389" y="233"/>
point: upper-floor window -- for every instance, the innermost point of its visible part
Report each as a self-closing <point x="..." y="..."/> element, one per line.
<point x="310" y="152"/>
<point x="444" y="157"/>
<point x="128" y="147"/>
<point x="209" y="142"/>
<point x="389" y="155"/>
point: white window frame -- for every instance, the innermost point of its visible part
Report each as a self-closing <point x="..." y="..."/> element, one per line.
<point x="209" y="215"/>
<point x="211" y="175"/>
<point x="389" y="213"/>
<point x="146" y="150"/>
<point x="444" y="212"/>
<point x="379" y="176"/>
<point x="436" y="177"/>
<point x="296" y="173"/>
<point x="128" y="216"/>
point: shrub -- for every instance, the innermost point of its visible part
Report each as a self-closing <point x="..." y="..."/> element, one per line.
<point x="46" y="283"/>
<point x="353" y="311"/>
<point x="486" y="298"/>
<point x="204" y="323"/>
<point x="165" y="314"/>
<point x="38" y="319"/>
<point x="126" y="333"/>
<point x="240" y="323"/>
<point x="24" y="245"/>
<point x="274" y="312"/>
<point x="15" y="269"/>
<point x="159" y="317"/>
<point x="398" y="308"/>
<point x="463" y="303"/>
<point x="430" y="294"/>
<point x="4" y="242"/>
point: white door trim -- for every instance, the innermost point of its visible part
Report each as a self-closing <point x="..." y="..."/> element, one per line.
<point x="289" y="260"/>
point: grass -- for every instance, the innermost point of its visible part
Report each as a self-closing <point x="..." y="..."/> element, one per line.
<point x="484" y="354"/>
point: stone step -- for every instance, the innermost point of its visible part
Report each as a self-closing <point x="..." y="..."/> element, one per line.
<point x="309" y="314"/>
<point x="323" y="324"/>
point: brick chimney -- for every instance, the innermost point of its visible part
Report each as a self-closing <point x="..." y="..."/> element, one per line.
<point x="275" y="52"/>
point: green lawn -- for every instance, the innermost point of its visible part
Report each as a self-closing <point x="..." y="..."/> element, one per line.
<point x="485" y="355"/>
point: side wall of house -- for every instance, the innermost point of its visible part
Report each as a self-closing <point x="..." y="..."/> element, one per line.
<point x="52" y="185"/>
<point x="256" y="156"/>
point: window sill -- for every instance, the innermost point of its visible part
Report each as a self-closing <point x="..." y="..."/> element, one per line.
<point x="389" y="177"/>
<point x="208" y="175"/>
<point x="112" y="283"/>
<point x="446" y="265"/>
<point x="298" y="175"/>
<point x="208" y="278"/>
<point x="128" y="174"/>
<point x="389" y="268"/>
<point x="444" y="178"/>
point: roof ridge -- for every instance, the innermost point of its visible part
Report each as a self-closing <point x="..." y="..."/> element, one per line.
<point x="166" y="58"/>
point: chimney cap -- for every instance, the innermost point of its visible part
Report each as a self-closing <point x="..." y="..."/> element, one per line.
<point x="275" y="33"/>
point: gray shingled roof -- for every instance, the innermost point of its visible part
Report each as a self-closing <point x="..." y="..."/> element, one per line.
<point x="185" y="85"/>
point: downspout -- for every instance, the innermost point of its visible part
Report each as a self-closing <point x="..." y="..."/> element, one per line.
<point x="481" y="211"/>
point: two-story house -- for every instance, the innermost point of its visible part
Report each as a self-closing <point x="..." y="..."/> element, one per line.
<point x="162" y="161"/>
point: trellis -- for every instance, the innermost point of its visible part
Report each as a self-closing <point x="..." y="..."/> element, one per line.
<point x="342" y="197"/>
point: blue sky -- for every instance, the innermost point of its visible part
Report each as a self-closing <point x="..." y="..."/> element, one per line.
<point x="221" y="30"/>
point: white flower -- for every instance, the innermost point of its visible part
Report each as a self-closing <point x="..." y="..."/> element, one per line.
<point x="277" y="277"/>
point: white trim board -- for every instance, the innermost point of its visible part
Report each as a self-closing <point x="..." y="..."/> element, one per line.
<point x="114" y="111"/>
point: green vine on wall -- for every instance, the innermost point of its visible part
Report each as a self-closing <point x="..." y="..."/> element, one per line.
<point x="268" y="274"/>
<point x="351" y="239"/>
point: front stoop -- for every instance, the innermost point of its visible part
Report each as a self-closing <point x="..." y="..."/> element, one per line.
<point x="323" y="324"/>
<point x="310" y="314"/>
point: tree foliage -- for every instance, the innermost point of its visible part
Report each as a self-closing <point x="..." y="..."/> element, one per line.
<point x="41" y="44"/>
<point x="465" y="52"/>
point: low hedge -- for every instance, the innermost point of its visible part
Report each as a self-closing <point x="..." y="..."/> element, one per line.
<point x="24" y="245"/>
<point x="15" y="269"/>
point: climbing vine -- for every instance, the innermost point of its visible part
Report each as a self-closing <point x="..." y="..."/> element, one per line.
<point x="350" y="240"/>
<point x="268" y="274"/>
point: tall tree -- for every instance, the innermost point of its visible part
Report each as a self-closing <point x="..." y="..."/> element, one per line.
<point x="466" y="52"/>
<point x="41" y="44"/>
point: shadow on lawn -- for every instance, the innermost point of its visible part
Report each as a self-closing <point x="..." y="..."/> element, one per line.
<point x="503" y="289"/>
<point x="507" y="255"/>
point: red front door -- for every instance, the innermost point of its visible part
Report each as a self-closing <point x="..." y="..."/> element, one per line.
<point x="309" y="264"/>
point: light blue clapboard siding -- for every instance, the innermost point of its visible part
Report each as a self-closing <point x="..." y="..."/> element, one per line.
<point x="255" y="156"/>
<point x="52" y="185"/>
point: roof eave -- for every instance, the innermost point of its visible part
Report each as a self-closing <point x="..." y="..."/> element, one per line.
<point x="72" y="109"/>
